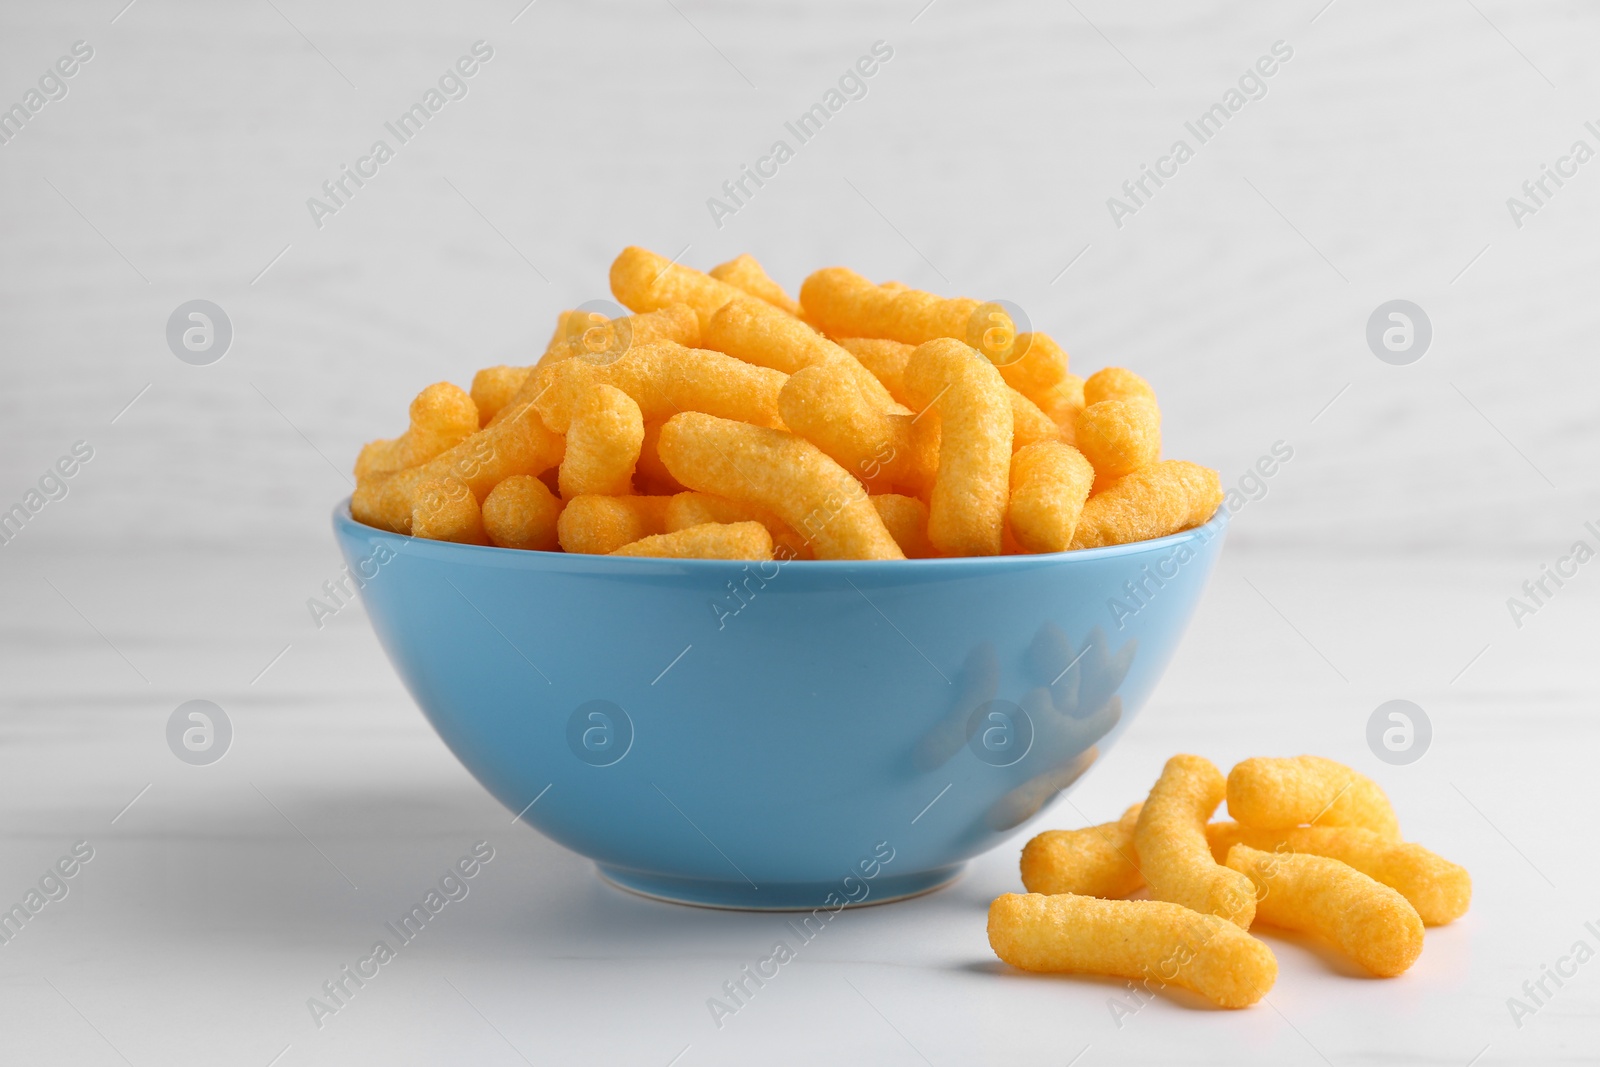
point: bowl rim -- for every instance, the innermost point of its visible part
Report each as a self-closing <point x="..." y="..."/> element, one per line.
<point x="346" y="524"/>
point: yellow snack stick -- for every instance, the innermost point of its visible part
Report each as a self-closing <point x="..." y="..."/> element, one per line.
<point x="441" y="415"/>
<point x="1438" y="889"/>
<point x="1170" y="837"/>
<point x="1115" y="383"/>
<point x="446" y="510"/>
<point x="1372" y="923"/>
<point x="844" y="304"/>
<point x="885" y="359"/>
<point x="1049" y="484"/>
<point x="1098" y="861"/>
<point x="1119" y="436"/>
<point x="906" y="519"/>
<point x="518" y="445"/>
<point x="604" y="435"/>
<point x="599" y="525"/>
<point x="782" y="472"/>
<point x="709" y="540"/>
<point x="746" y="274"/>
<point x="1064" y="404"/>
<point x="1275" y="794"/>
<point x="569" y="324"/>
<point x="967" y="508"/>
<point x="521" y="512"/>
<point x="1154" y="501"/>
<point x="689" y="508"/>
<point x="650" y="474"/>
<point x="644" y="281"/>
<point x="1037" y="366"/>
<point x="1141" y="940"/>
<point x="758" y="333"/>
<point x="494" y="387"/>
<point x="599" y="339"/>
<point x="822" y="404"/>
<point x="1029" y="424"/>
<point x="383" y="456"/>
<point x="365" y="502"/>
<point x="665" y="378"/>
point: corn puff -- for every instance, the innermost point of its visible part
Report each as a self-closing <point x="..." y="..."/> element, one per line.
<point x="783" y="473"/>
<point x="1170" y="837"/>
<point x="1154" y="501"/>
<point x="445" y="510"/>
<point x="521" y="512"/>
<point x="746" y="274"/>
<point x="967" y="509"/>
<point x="1274" y="794"/>
<point x="1142" y="940"/>
<point x="599" y="525"/>
<point x="1371" y="922"/>
<point x="1049" y="484"/>
<point x="643" y="281"/>
<point x="906" y="519"/>
<point x="1438" y="889"/>
<point x="709" y="540"/>
<point x="688" y="509"/>
<point x="1099" y="861"/>
<point x="604" y="433"/>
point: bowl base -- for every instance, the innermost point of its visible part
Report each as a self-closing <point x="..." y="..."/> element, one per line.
<point x="777" y="896"/>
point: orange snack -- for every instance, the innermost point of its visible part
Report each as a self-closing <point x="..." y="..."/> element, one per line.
<point x="967" y="508"/>
<point x="1049" y="484"/>
<point x="494" y="387"/>
<point x="441" y="416"/>
<point x="604" y="433"/>
<point x="599" y="525"/>
<point x="1170" y="837"/>
<point x="757" y="333"/>
<point x="1029" y="424"/>
<point x="1438" y="889"/>
<point x="1141" y="940"/>
<point x="842" y="303"/>
<point x="1119" y="436"/>
<point x="1037" y="365"/>
<point x="906" y="519"/>
<point x="746" y="274"/>
<point x="521" y="512"/>
<point x="1099" y="861"/>
<point x="822" y="404"/>
<point x="885" y="359"/>
<point x="709" y="540"/>
<point x="598" y="339"/>
<point x="445" y="510"/>
<point x="1372" y="923"/>
<point x="1275" y="794"/>
<point x="643" y="281"/>
<point x="650" y="474"/>
<point x="1154" y="501"/>
<point x="1115" y="383"/>
<point x="782" y="472"/>
<point x="688" y="509"/>
<point x="519" y="444"/>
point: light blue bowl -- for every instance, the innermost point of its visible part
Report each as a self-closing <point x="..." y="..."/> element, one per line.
<point x="800" y="736"/>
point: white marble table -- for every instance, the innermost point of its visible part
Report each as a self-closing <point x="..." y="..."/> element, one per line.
<point x="1375" y="565"/>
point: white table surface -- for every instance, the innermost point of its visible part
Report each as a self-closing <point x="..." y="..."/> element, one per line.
<point x="1377" y="565"/>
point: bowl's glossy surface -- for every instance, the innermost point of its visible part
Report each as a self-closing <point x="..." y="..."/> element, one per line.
<point x="778" y="736"/>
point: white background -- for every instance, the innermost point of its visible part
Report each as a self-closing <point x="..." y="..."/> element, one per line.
<point x="1378" y="564"/>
